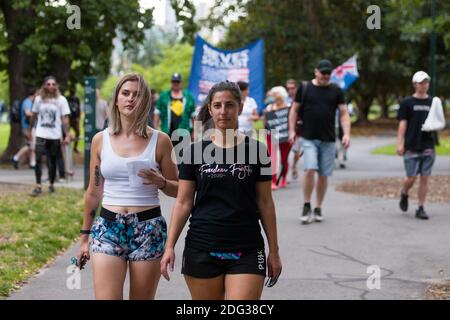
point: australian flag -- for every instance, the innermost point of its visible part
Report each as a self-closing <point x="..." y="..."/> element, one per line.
<point x="345" y="74"/>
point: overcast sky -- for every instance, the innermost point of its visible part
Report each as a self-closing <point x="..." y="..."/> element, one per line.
<point x="159" y="13"/>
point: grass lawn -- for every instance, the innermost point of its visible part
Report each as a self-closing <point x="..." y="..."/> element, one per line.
<point x="442" y="150"/>
<point x="4" y="136"/>
<point x="34" y="230"/>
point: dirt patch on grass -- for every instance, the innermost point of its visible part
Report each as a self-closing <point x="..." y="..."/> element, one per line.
<point x="439" y="291"/>
<point x="6" y="188"/>
<point x="390" y="188"/>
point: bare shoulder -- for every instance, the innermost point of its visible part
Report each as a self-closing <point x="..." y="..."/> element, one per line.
<point x="163" y="139"/>
<point x="97" y="142"/>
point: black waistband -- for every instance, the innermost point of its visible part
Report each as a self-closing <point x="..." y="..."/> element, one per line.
<point x="142" y="216"/>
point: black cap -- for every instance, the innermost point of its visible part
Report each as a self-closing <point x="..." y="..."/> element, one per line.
<point x="176" y="77"/>
<point x="325" y="65"/>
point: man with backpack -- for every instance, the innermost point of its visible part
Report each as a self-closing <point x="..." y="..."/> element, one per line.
<point x="316" y="103"/>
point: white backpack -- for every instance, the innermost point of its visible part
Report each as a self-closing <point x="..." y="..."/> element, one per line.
<point x="435" y="119"/>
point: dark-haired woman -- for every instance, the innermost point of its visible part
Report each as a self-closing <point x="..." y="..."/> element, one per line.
<point x="225" y="189"/>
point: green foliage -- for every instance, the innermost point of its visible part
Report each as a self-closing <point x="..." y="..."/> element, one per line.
<point x="177" y="58"/>
<point x="185" y="14"/>
<point x="4" y="96"/>
<point x="34" y="230"/>
<point x="298" y="34"/>
<point x="4" y="136"/>
<point x="73" y="54"/>
<point x="150" y="51"/>
<point x="108" y="86"/>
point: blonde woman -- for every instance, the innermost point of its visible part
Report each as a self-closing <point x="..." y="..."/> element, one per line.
<point x="280" y="96"/>
<point x="130" y="163"/>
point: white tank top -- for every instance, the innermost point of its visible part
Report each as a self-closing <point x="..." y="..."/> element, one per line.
<point x="117" y="190"/>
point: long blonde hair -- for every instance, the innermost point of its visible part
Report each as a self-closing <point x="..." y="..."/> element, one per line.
<point x="141" y="110"/>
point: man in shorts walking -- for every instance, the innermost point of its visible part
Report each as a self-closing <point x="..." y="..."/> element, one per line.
<point x="317" y="108"/>
<point x="416" y="146"/>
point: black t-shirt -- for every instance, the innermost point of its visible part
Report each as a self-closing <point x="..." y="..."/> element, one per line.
<point x="74" y="106"/>
<point x="415" y="111"/>
<point x="319" y="111"/>
<point x="225" y="217"/>
<point x="176" y="112"/>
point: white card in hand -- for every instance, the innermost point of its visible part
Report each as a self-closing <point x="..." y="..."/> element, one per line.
<point x="133" y="169"/>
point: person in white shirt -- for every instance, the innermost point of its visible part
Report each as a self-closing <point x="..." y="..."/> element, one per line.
<point x="249" y="112"/>
<point x="51" y="110"/>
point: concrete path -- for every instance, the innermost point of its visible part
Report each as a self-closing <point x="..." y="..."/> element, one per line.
<point x="329" y="260"/>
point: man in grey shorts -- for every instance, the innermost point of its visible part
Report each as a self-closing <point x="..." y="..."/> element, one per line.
<point x="316" y="102"/>
<point x="416" y="146"/>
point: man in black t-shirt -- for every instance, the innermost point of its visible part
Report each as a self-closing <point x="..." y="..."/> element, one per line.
<point x="416" y="146"/>
<point x="316" y="103"/>
<point x="75" y="112"/>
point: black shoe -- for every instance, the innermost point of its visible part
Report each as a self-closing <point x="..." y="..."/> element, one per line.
<point x="342" y="166"/>
<point x="15" y="163"/>
<point x="318" y="215"/>
<point x="36" y="191"/>
<point x="306" y="217"/>
<point x="404" y="202"/>
<point x="51" y="189"/>
<point x="421" y="214"/>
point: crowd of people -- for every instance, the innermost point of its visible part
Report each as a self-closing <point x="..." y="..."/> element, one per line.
<point x="222" y="181"/>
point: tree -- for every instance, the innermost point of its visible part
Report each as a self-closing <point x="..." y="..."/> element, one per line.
<point x="299" y="33"/>
<point x="185" y="14"/>
<point x="39" y="42"/>
<point x="176" y="58"/>
<point x="150" y="50"/>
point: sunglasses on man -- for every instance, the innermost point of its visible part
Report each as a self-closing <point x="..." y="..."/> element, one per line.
<point x="325" y="72"/>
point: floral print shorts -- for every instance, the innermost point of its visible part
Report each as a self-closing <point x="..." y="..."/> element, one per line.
<point x="128" y="237"/>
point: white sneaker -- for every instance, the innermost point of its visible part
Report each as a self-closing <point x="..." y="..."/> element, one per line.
<point x="306" y="216"/>
<point x="318" y="215"/>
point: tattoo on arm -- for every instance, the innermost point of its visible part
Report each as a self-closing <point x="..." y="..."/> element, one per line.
<point x="97" y="176"/>
<point x="93" y="214"/>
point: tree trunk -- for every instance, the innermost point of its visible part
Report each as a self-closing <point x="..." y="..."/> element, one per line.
<point x="18" y="63"/>
<point x="383" y="100"/>
<point x="364" y="108"/>
<point x="61" y="71"/>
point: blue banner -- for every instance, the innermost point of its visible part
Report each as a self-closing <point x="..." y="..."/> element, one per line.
<point x="211" y="65"/>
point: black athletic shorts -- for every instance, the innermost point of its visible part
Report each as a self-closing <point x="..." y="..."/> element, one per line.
<point x="203" y="264"/>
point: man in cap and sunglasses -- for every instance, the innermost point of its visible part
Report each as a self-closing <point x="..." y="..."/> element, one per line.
<point x="316" y="103"/>
<point x="175" y="109"/>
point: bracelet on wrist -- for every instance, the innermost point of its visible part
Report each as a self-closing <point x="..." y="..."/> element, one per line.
<point x="84" y="231"/>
